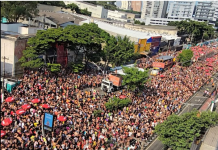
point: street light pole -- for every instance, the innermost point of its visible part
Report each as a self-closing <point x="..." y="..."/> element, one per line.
<point x="3" y="82"/>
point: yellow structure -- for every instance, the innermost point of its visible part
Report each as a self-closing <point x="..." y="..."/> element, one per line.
<point x="141" y="46"/>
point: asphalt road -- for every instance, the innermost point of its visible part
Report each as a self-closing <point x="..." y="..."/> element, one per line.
<point x="195" y="102"/>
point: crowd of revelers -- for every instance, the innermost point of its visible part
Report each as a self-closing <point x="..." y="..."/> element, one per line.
<point x="67" y="95"/>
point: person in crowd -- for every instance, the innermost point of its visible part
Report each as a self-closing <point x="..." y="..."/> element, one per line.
<point x="74" y="96"/>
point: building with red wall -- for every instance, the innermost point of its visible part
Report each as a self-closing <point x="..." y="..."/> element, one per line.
<point x="136" y="5"/>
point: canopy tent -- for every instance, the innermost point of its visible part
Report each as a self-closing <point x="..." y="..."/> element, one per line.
<point x="10" y="86"/>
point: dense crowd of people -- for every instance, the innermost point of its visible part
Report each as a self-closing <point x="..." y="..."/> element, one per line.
<point x="67" y="96"/>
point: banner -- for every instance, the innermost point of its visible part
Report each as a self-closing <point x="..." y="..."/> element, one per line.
<point x="158" y="65"/>
<point x="48" y="121"/>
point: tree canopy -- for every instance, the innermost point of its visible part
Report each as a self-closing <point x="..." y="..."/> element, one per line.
<point x="116" y="103"/>
<point x="13" y="10"/>
<point x="185" y="57"/>
<point x="138" y="22"/>
<point x="178" y="132"/>
<point x="74" y="7"/>
<point x="87" y="39"/>
<point x="55" y="68"/>
<point x="53" y="3"/>
<point x="117" y="50"/>
<point x="197" y="31"/>
<point x="134" y="78"/>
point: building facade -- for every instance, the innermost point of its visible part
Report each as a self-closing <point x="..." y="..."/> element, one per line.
<point x="207" y="11"/>
<point x="136" y="5"/>
<point x="12" y="47"/>
<point x="157" y="21"/>
<point x="181" y="10"/>
<point x="126" y="5"/>
<point x="154" y="9"/>
<point x="96" y="10"/>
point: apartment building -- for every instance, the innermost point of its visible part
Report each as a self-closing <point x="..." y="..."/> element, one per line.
<point x="96" y="10"/>
<point x="181" y="10"/>
<point x="158" y="21"/>
<point x="126" y="5"/>
<point x="136" y="5"/>
<point x="154" y="9"/>
<point x="207" y="11"/>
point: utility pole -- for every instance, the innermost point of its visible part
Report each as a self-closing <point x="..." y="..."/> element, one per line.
<point x="3" y="83"/>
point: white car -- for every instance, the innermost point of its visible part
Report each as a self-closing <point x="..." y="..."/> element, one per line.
<point x="155" y="72"/>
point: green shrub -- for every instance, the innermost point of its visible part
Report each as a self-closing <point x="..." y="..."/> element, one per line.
<point x="117" y="103"/>
<point x="97" y="113"/>
<point x="54" y="67"/>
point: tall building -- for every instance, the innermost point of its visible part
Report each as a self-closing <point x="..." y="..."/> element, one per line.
<point x="126" y="5"/>
<point x="207" y="11"/>
<point x="154" y="9"/>
<point x="136" y="5"/>
<point x="181" y="10"/>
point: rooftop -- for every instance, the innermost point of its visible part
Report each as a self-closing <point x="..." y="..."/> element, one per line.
<point x="14" y="35"/>
<point x="157" y="27"/>
<point x="127" y="32"/>
<point x="61" y="17"/>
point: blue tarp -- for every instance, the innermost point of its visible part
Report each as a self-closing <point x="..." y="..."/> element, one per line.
<point x="149" y="40"/>
<point x="3" y="20"/>
<point x="10" y="86"/>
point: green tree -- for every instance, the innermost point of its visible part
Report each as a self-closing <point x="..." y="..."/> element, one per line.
<point x="142" y="23"/>
<point x="178" y="132"/>
<point x="91" y="41"/>
<point x="205" y="36"/>
<point x="77" y="67"/>
<point x="53" y="3"/>
<point x="109" y="50"/>
<point x="97" y="113"/>
<point x="13" y="10"/>
<point x="91" y="2"/>
<point x="73" y="6"/>
<point x="55" y="68"/>
<point x="137" y="22"/>
<point x="124" y="51"/>
<point x="84" y="12"/>
<point x="30" y="59"/>
<point x="116" y="103"/>
<point x="194" y="29"/>
<point x="107" y="5"/>
<point x="134" y="78"/>
<point x="39" y="45"/>
<point x="88" y="38"/>
<point x="185" y="57"/>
